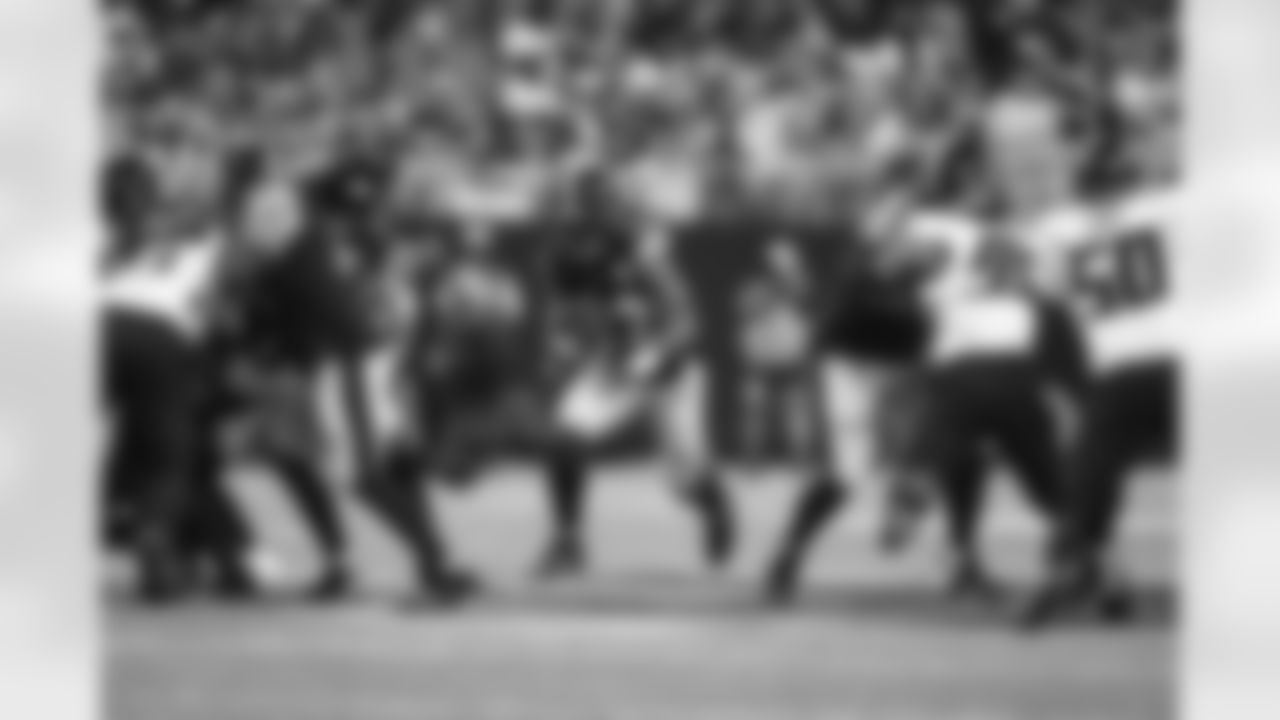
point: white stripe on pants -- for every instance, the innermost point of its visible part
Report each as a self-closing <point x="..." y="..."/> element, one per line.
<point x="852" y="393"/>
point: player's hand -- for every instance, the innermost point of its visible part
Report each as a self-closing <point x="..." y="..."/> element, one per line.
<point x="1067" y="418"/>
<point x="1004" y="265"/>
<point x="658" y="363"/>
<point x="247" y="377"/>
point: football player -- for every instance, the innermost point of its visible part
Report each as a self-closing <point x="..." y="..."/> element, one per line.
<point x="775" y="307"/>
<point x="1116" y="273"/>
<point x="925" y="296"/>
<point x="464" y="373"/>
<point x="155" y="326"/>
<point x="297" y="310"/>
<point x="622" y="318"/>
<point x="876" y="329"/>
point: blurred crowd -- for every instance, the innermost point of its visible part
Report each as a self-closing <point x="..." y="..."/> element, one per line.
<point x="677" y="109"/>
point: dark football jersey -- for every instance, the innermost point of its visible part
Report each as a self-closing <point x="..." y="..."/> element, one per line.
<point x="299" y="306"/>
<point x="473" y="332"/>
<point x="876" y="315"/>
<point x="606" y="301"/>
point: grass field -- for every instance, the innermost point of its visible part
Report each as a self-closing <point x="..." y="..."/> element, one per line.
<point x="649" y="635"/>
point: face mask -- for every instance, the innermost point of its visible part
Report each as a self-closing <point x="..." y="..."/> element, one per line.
<point x="273" y="218"/>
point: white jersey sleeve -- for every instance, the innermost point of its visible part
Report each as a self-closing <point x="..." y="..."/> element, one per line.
<point x="993" y="325"/>
<point x="172" y="285"/>
<point x="952" y="244"/>
<point x="1050" y="242"/>
<point x="972" y="315"/>
<point x="1121" y="281"/>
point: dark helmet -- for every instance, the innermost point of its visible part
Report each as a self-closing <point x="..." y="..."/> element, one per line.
<point x="349" y="190"/>
<point x="590" y="258"/>
<point x="128" y="188"/>
<point x="244" y="169"/>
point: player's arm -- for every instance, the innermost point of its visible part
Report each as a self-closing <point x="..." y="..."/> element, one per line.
<point x="1005" y="264"/>
<point x="677" y="327"/>
<point x="422" y="329"/>
<point x="1047" y="255"/>
<point x="1127" y="272"/>
<point x="565" y="323"/>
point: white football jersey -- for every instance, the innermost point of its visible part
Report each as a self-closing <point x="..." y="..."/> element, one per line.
<point x="1123" y="281"/>
<point x="1112" y="265"/>
<point x="1049" y="241"/>
<point x="173" y="284"/>
<point x="1002" y="325"/>
<point x="972" y="315"/>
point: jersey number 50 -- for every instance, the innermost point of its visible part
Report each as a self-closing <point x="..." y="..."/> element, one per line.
<point x="1122" y="276"/>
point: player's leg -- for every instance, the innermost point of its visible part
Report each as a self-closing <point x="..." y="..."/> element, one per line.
<point x="157" y="387"/>
<point x="845" y="448"/>
<point x="1061" y="349"/>
<point x="681" y="413"/>
<point x="1139" y="403"/>
<point x="758" y="389"/>
<point x="125" y="467"/>
<point x="820" y="501"/>
<point x="404" y="499"/>
<point x="227" y="537"/>
<point x="912" y="446"/>
<point x="357" y="411"/>
<point x="168" y="427"/>
<point x="1096" y="464"/>
<point x="304" y="485"/>
<point x="477" y="418"/>
<point x="119" y="492"/>
<point x="304" y="476"/>
<point x="288" y="440"/>
<point x="218" y="529"/>
<point x="119" y="487"/>
<point x="365" y="405"/>
<point x="156" y="524"/>
<point x="965" y="481"/>
<point x="1023" y="427"/>
<point x="473" y="415"/>
<point x="1130" y="414"/>
<point x="392" y="427"/>
<point x="399" y="493"/>
<point x="990" y="403"/>
<point x="567" y="474"/>
<point x="964" y="396"/>
<point x="516" y="421"/>
<point x="803" y="431"/>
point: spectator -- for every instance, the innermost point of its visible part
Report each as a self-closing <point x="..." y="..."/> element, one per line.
<point x="695" y="104"/>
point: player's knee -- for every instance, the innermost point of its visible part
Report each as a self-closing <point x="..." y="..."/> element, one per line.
<point x="399" y="463"/>
<point x="688" y="470"/>
<point x="1062" y="350"/>
<point x="687" y="456"/>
